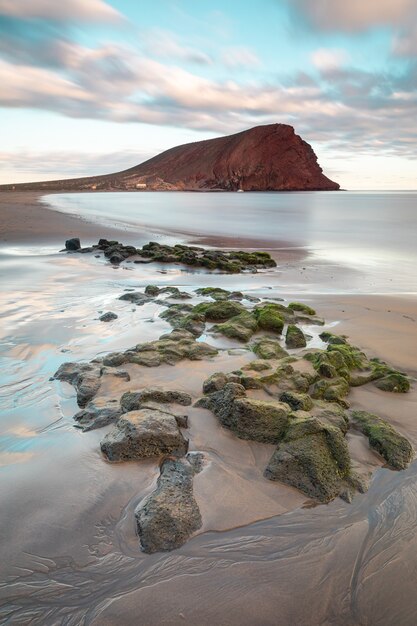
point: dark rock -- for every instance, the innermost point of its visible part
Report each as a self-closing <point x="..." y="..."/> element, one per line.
<point x="97" y="415"/>
<point x="73" y="244"/>
<point x="136" y="297"/>
<point x="84" y="377"/>
<point x="108" y="317"/>
<point x="169" y="515"/>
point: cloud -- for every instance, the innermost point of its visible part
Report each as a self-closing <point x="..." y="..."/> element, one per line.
<point x="240" y="56"/>
<point x="327" y="59"/>
<point x="356" y="15"/>
<point x="53" y="10"/>
<point x="163" y="44"/>
<point x="18" y="165"/>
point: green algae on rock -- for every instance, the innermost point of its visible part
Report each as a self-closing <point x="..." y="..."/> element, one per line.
<point x="393" y="447"/>
<point x="240" y="327"/>
<point x="269" y="318"/>
<point x="303" y="308"/>
<point x="268" y="348"/>
<point x="295" y="337"/>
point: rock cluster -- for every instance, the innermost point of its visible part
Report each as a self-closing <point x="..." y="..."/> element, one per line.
<point x="297" y="402"/>
<point x="231" y="262"/>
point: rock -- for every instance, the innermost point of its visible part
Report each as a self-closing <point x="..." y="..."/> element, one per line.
<point x="313" y="458"/>
<point x="84" y="377"/>
<point x="132" y="401"/>
<point x="331" y="338"/>
<point x="396" y="382"/>
<point x="72" y="244"/>
<point x="152" y="291"/>
<point x="108" y="317"/>
<point x="393" y="447"/>
<point x="257" y="366"/>
<point x="116" y="258"/>
<point x="295" y="337"/>
<point x="240" y="327"/>
<point x="142" y="434"/>
<point x="96" y="415"/>
<point x="304" y="308"/>
<point x="269" y="318"/>
<point x="169" y="515"/>
<point x="256" y="420"/>
<point x="136" y="297"/>
<point x="297" y="401"/>
<point x="267" y="348"/>
<point x="219" y="311"/>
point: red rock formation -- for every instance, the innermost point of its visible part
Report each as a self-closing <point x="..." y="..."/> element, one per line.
<point x="264" y="158"/>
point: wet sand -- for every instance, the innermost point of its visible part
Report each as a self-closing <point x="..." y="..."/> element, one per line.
<point x="26" y="218"/>
<point x="261" y="557"/>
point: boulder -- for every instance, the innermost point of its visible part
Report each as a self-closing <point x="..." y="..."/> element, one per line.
<point x="297" y="401"/>
<point x="295" y="337"/>
<point x="303" y="308"/>
<point x="84" y="377"/>
<point x="73" y="244"/>
<point x="170" y="514"/>
<point x="108" y="317"/>
<point x="267" y="348"/>
<point x="240" y="327"/>
<point x="142" y="434"/>
<point x="388" y="442"/>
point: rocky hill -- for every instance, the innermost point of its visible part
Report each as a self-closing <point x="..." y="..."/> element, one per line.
<point x="264" y="158"/>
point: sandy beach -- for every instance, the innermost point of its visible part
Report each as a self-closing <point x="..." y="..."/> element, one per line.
<point x="263" y="554"/>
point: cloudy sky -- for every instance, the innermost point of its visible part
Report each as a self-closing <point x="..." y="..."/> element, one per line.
<point x="89" y="86"/>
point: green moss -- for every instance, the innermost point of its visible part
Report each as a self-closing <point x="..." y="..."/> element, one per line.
<point x="396" y="382"/>
<point x="353" y="358"/>
<point x="269" y="318"/>
<point x="240" y="327"/>
<point x="217" y="293"/>
<point x="295" y="337"/>
<point x="331" y="338"/>
<point x="392" y="446"/>
<point x="304" y="308"/>
<point x="219" y="311"/>
<point x="268" y="349"/>
<point x="297" y="401"/>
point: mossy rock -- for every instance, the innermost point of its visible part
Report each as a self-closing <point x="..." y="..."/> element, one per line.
<point x="257" y="366"/>
<point x="219" y="311"/>
<point x="353" y="358"/>
<point x="267" y="348"/>
<point x="393" y="447"/>
<point x="331" y="338"/>
<point x="257" y="420"/>
<point x="297" y="401"/>
<point x="332" y="390"/>
<point x="269" y="318"/>
<point x="217" y="293"/>
<point x="240" y="327"/>
<point x="295" y="337"/>
<point x="303" y="308"/>
<point x="308" y="464"/>
<point x="395" y="382"/>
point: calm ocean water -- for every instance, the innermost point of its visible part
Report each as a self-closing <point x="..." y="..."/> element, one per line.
<point x="374" y="232"/>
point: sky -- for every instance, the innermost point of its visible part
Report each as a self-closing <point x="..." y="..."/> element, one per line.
<point x="91" y="87"/>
